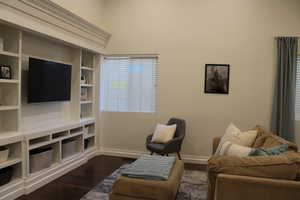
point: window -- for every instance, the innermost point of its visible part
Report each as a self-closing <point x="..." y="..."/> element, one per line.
<point x="298" y="90"/>
<point x="128" y="84"/>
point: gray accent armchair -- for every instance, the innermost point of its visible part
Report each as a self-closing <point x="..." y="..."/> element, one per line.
<point x="174" y="145"/>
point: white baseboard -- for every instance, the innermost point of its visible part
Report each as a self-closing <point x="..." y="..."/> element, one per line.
<point x="13" y="195"/>
<point x="135" y="154"/>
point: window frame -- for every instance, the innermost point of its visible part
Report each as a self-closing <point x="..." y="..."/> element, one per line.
<point x="155" y="74"/>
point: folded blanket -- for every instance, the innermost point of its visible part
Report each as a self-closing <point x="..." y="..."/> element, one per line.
<point x="150" y="168"/>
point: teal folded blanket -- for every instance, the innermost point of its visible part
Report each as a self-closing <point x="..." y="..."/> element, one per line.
<point x="270" y="151"/>
<point x="150" y="168"/>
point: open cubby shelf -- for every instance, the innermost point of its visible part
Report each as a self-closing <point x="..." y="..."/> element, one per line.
<point x="60" y="134"/>
<point x="13" y="63"/>
<point x="8" y="121"/>
<point x="8" y="94"/>
<point x="89" y="142"/>
<point x="71" y="147"/>
<point x="11" y="38"/>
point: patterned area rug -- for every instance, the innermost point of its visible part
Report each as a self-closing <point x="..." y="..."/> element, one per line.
<point x="193" y="186"/>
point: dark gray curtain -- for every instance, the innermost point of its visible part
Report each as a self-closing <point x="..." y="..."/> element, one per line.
<point x="283" y="119"/>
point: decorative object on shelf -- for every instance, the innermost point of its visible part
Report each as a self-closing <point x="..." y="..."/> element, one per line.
<point x="83" y="79"/>
<point x="217" y="78"/>
<point x="5" y="72"/>
<point x="4" y="151"/>
<point x="1" y="44"/>
<point x="5" y="175"/>
<point x="84" y="94"/>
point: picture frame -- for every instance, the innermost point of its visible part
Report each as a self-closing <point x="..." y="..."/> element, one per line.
<point x="5" y="72"/>
<point x="217" y="78"/>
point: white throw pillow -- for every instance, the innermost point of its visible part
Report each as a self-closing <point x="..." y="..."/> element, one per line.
<point x="230" y="149"/>
<point x="236" y="136"/>
<point x="163" y="133"/>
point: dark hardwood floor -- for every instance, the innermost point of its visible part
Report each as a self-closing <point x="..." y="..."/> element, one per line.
<point x="78" y="182"/>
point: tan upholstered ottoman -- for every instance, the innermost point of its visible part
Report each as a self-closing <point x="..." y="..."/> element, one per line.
<point x="139" y="189"/>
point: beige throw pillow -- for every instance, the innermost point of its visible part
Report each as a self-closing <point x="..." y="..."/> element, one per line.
<point x="231" y="149"/>
<point x="163" y="133"/>
<point x="236" y="136"/>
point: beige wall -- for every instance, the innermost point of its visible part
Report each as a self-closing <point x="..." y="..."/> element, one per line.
<point x="187" y="35"/>
<point x="90" y="10"/>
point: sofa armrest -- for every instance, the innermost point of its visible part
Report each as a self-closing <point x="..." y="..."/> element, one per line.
<point x="216" y="142"/>
<point x="282" y="166"/>
<point x="233" y="187"/>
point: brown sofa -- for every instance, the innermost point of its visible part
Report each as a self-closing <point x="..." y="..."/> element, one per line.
<point x="255" y="177"/>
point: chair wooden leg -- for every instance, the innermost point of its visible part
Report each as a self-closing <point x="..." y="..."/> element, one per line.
<point x="179" y="156"/>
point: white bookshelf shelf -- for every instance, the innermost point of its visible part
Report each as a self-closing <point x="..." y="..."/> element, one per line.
<point x="88" y="120"/>
<point x="87" y="85"/>
<point x="10" y="162"/>
<point x="9" y="81"/>
<point x="3" y="108"/>
<point x="89" y="135"/>
<point x="7" y="53"/>
<point x="86" y="102"/>
<point x="9" y="137"/>
<point x="35" y="146"/>
<point x="87" y="68"/>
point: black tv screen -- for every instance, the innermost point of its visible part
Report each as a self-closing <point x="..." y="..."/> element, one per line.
<point x="48" y="81"/>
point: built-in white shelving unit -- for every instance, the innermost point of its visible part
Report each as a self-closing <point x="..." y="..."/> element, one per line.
<point x="26" y="127"/>
<point x="10" y="108"/>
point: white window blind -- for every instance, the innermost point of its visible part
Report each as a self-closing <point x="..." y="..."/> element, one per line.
<point x="128" y="84"/>
<point x="298" y="90"/>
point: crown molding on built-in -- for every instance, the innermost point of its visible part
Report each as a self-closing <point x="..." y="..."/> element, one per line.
<point x="48" y="18"/>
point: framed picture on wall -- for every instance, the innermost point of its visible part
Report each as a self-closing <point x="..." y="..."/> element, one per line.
<point x="5" y="72"/>
<point x="217" y="78"/>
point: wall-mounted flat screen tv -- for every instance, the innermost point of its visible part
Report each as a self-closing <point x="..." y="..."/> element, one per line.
<point x="48" y="81"/>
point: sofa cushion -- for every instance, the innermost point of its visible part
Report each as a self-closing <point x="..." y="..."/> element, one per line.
<point x="155" y="146"/>
<point x="231" y="149"/>
<point x="282" y="166"/>
<point x="236" y="136"/>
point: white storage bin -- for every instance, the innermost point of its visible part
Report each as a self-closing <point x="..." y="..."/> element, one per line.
<point x="68" y="148"/>
<point x="4" y="151"/>
<point x="40" y="159"/>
